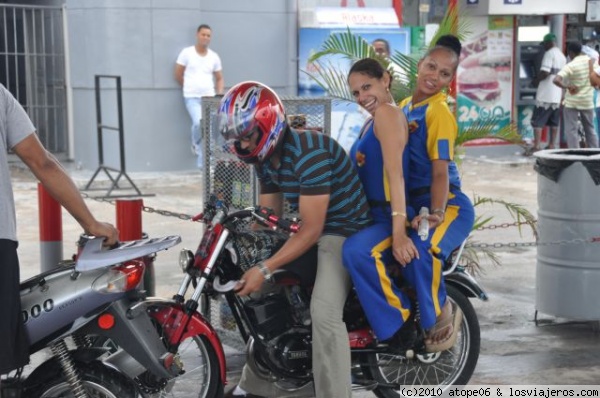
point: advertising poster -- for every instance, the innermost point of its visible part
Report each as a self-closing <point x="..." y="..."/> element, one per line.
<point x="484" y="78"/>
<point x="346" y="117"/>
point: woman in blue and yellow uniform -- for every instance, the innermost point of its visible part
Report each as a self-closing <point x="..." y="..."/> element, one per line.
<point x="378" y="155"/>
<point x="434" y="182"/>
<point x="431" y="181"/>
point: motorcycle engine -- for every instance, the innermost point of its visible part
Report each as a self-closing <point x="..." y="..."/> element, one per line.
<point x="270" y="316"/>
<point x="288" y="342"/>
<point x="292" y="351"/>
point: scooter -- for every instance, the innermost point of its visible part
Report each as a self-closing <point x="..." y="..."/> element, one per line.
<point x="67" y="308"/>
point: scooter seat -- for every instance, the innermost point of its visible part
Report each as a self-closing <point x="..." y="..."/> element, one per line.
<point x="39" y="279"/>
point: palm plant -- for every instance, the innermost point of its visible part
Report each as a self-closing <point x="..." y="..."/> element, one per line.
<point x="353" y="47"/>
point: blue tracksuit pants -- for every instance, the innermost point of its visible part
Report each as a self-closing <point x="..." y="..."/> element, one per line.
<point x="367" y="253"/>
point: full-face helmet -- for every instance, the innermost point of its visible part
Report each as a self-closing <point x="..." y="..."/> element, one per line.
<point x="252" y="108"/>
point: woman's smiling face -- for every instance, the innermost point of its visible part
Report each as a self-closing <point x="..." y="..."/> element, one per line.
<point x="369" y="92"/>
<point x="435" y="72"/>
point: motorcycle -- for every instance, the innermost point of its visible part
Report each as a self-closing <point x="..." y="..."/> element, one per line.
<point x="276" y="326"/>
<point x="98" y="297"/>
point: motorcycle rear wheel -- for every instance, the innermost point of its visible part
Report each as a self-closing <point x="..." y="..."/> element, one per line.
<point x="98" y="381"/>
<point x="439" y="370"/>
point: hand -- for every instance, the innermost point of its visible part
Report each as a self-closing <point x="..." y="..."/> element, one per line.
<point x="250" y="282"/>
<point x="434" y="221"/>
<point x="572" y="89"/>
<point x="534" y="83"/>
<point x="105" y="230"/>
<point x="404" y="250"/>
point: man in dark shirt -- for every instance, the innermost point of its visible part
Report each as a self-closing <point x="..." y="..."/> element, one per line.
<point x="314" y="174"/>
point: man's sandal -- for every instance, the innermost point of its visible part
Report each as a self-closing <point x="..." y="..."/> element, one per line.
<point x="453" y="321"/>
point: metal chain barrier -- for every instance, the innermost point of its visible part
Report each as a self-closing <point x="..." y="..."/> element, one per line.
<point x="489" y="246"/>
<point x="167" y="213"/>
<point x="506" y="225"/>
<point x="497" y="245"/>
<point x="147" y="209"/>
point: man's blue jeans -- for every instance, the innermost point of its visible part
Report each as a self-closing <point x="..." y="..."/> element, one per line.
<point x="194" y="108"/>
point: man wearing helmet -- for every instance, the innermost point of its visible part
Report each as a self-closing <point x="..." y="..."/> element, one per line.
<point x="314" y="174"/>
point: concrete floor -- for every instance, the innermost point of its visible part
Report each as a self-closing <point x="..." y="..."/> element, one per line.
<point x="514" y="349"/>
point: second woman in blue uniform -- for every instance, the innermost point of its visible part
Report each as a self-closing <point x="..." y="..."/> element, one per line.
<point x="416" y="165"/>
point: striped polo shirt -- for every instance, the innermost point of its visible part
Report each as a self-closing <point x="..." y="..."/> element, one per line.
<point x="315" y="164"/>
<point x="577" y="72"/>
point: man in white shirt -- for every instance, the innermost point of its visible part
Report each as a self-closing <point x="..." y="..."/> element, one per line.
<point x="198" y="69"/>
<point x="548" y="95"/>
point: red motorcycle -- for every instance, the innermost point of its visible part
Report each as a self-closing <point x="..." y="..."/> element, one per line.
<point x="276" y="327"/>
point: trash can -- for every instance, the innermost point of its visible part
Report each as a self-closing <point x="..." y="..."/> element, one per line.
<point x="568" y="263"/>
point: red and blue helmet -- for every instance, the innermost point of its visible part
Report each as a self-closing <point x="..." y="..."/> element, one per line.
<point x="250" y="107"/>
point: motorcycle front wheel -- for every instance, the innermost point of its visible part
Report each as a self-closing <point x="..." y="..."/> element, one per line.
<point x="97" y="380"/>
<point x="437" y="370"/>
<point x="199" y="380"/>
<point x="200" y="377"/>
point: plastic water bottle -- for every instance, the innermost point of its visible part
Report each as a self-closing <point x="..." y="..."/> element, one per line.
<point x="424" y="223"/>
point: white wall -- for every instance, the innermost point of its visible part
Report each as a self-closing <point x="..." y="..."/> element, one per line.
<point x="139" y="40"/>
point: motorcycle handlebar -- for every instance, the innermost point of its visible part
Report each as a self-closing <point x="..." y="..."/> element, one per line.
<point x="266" y="216"/>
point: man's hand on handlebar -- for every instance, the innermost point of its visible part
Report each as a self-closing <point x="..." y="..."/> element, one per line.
<point x="250" y="282"/>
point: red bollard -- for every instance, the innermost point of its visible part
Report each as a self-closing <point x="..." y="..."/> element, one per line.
<point x="50" y="213"/>
<point x="129" y="219"/>
<point x="129" y="224"/>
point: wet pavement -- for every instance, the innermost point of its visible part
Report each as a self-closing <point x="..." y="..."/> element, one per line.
<point x="515" y="349"/>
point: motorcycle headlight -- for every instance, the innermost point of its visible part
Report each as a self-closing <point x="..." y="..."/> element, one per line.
<point x="186" y="259"/>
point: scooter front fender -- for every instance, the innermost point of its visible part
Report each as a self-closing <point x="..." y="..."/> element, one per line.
<point x="137" y="336"/>
<point x="171" y="315"/>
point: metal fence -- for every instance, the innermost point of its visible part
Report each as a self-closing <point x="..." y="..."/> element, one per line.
<point x="235" y="182"/>
<point x="32" y="68"/>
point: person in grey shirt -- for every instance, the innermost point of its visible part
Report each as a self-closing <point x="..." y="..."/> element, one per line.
<point x="17" y="133"/>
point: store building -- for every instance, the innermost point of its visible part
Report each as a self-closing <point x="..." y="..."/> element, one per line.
<point x="51" y="50"/>
<point x="504" y="55"/>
